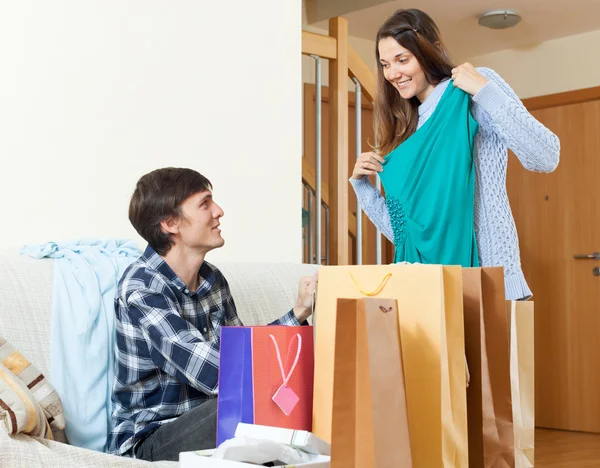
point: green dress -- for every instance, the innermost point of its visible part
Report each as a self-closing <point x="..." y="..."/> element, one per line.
<point x="429" y="183"/>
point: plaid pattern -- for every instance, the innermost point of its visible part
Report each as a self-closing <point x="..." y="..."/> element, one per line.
<point x="167" y="346"/>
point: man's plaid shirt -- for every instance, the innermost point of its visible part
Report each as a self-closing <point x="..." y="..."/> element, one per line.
<point x="167" y="346"/>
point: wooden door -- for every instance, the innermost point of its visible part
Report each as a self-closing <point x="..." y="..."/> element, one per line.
<point x="558" y="217"/>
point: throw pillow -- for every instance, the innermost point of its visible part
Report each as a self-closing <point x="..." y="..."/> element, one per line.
<point x="18" y="409"/>
<point x="34" y="381"/>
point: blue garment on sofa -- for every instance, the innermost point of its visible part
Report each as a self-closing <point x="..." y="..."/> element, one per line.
<point x="86" y="274"/>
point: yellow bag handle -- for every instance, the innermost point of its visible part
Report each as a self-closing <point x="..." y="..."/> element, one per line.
<point x="377" y="290"/>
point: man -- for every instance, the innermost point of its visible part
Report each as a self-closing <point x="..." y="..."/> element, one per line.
<point x="170" y="306"/>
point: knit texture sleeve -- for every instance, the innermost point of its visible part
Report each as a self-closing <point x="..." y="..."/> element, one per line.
<point x="373" y="204"/>
<point x="537" y="148"/>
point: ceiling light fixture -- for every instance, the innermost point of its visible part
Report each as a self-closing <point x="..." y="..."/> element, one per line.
<point x="499" y="19"/>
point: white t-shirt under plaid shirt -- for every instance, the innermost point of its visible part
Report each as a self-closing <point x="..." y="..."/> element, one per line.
<point x="167" y="346"/>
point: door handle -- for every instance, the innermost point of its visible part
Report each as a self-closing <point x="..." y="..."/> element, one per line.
<point x="595" y="256"/>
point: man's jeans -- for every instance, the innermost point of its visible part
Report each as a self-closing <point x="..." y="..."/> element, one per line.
<point x="194" y="430"/>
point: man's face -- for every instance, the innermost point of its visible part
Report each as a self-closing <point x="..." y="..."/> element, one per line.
<point x="199" y="226"/>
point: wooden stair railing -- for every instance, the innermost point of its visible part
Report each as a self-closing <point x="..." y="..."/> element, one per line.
<point x="309" y="178"/>
<point x="344" y="62"/>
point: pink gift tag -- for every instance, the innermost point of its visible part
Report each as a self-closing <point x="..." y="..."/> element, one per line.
<point x="285" y="397"/>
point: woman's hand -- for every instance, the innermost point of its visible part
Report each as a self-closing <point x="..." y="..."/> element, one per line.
<point x="367" y="164"/>
<point x="468" y="79"/>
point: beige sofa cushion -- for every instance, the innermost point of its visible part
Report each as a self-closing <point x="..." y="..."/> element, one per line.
<point x="26" y="306"/>
<point x="22" y="451"/>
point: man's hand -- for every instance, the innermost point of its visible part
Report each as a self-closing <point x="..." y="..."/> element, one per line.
<point x="307" y="287"/>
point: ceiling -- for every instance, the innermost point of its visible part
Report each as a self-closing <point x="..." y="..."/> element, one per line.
<point x="541" y="21"/>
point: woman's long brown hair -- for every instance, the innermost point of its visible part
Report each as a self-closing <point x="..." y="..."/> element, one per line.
<point x="396" y="118"/>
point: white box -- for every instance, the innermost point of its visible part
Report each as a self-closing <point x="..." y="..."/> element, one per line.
<point x="304" y="440"/>
<point x="202" y="459"/>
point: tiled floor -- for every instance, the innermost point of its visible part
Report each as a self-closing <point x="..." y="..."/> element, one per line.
<point x="555" y="449"/>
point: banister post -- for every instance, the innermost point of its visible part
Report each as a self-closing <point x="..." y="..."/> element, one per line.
<point x="338" y="143"/>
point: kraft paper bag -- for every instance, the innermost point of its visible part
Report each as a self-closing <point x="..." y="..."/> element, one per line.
<point x="370" y="419"/>
<point x="521" y="322"/>
<point x="490" y="413"/>
<point x="430" y="315"/>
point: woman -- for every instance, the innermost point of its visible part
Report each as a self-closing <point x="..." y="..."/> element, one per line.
<point x="417" y="83"/>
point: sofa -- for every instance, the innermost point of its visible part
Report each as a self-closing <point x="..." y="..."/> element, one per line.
<point x="262" y="293"/>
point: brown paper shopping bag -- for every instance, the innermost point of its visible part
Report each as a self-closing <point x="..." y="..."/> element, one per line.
<point x="430" y="312"/>
<point x="521" y="322"/>
<point x="370" y="421"/>
<point x="491" y="438"/>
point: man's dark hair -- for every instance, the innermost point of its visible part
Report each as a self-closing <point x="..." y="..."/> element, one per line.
<point x="158" y="196"/>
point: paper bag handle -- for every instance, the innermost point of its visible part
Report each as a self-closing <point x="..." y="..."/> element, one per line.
<point x="314" y="317"/>
<point x="283" y="376"/>
<point x="467" y="373"/>
<point x="377" y="290"/>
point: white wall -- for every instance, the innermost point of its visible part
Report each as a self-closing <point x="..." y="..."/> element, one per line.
<point x="565" y="64"/>
<point x="95" y="94"/>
